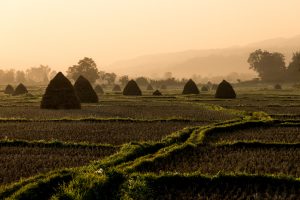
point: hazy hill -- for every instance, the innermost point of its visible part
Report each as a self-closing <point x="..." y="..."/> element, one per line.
<point x="204" y="62"/>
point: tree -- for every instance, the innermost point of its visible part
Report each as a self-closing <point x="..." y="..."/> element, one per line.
<point x="142" y="81"/>
<point x="52" y="74"/>
<point x="124" y="80"/>
<point x="168" y="75"/>
<point x="38" y="74"/>
<point x="269" y="66"/>
<point x="293" y="70"/>
<point x="20" y="77"/>
<point x="7" y="76"/>
<point x="85" y="67"/>
<point x="110" y="78"/>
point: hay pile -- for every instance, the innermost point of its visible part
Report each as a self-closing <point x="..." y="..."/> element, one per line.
<point x="9" y="89"/>
<point x="277" y="87"/>
<point x="132" y="89"/>
<point x="85" y="91"/>
<point x="60" y="94"/>
<point x="99" y="90"/>
<point x="157" y="93"/>
<point x="190" y="88"/>
<point x="20" y="90"/>
<point x="116" y="88"/>
<point x="204" y="88"/>
<point x="225" y="91"/>
<point x="149" y="87"/>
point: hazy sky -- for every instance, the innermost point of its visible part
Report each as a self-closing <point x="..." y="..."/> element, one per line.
<point x="59" y="32"/>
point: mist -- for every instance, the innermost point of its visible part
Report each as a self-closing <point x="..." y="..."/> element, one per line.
<point x="146" y="38"/>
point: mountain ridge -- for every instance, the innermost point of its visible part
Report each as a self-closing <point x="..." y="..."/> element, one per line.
<point x="215" y="61"/>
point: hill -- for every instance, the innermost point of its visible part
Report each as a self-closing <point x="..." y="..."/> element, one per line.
<point x="204" y="62"/>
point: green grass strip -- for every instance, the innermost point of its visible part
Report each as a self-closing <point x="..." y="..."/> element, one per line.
<point x="52" y="144"/>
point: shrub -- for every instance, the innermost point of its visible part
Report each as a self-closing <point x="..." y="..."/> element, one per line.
<point x="85" y="91"/>
<point x="60" y="94"/>
<point x="9" y="89"/>
<point x="225" y="91"/>
<point x="190" y="88"/>
<point x="98" y="89"/>
<point x="20" y="90"/>
<point x="132" y="89"/>
<point x="157" y="93"/>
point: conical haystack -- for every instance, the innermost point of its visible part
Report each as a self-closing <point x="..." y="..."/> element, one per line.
<point x="190" y="88"/>
<point x="225" y="91"/>
<point x="204" y="88"/>
<point x="277" y="87"/>
<point x="99" y="90"/>
<point x="116" y="88"/>
<point x="9" y="89"/>
<point x="149" y="87"/>
<point x="85" y="91"/>
<point x="20" y="90"/>
<point x="60" y="94"/>
<point x="132" y="89"/>
<point x="157" y="93"/>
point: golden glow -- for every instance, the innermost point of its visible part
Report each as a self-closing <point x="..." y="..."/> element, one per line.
<point x="60" y="32"/>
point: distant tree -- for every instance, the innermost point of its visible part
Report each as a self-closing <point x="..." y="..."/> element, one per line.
<point x="85" y="67"/>
<point x="110" y="78"/>
<point x="38" y="74"/>
<point x="7" y="76"/>
<point x="124" y="80"/>
<point x="142" y="81"/>
<point x="52" y="75"/>
<point x="20" y="77"/>
<point x="293" y="70"/>
<point x="269" y="66"/>
<point x="168" y="75"/>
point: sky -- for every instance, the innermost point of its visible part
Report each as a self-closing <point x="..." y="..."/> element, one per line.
<point x="60" y="32"/>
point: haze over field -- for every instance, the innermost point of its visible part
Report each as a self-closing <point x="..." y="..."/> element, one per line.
<point x="206" y="62"/>
<point x="117" y="33"/>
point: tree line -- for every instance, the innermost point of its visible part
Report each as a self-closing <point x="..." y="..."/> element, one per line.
<point x="88" y="68"/>
<point x="272" y="67"/>
<point x="33" y="75"/>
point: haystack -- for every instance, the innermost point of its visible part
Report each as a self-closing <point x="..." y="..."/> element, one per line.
<point x="149" y="87"/>
<point x="20" y="90"/>
<point x="99" y="90"/>
<point x="116" y="88"/>
<point x="9" y="89"/>
<point x="60" y="94"/>
<point x="204" y="88"/>
<point x="277" y="87"/>
<point x="157" y="93"/>
<point x="225" y="91"/>
<point x="85" y="91"/>
<point x="190" y="88"/>
<point x="132" y="89"/>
